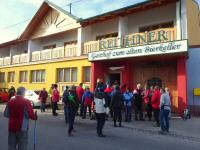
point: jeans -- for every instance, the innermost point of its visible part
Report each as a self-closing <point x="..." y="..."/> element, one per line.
<point x="156" y="116"/>
<point x="18" y="141"/>
<point x="128" y="113"/>
<point x="138" y="110"/>
<point x="66" y="114"/>
<point x="164" y="119"/>
<point x="117" y="115"/>
<point x="85" y="111"/>
<point x="71" y="117"/>
<point x="101" y="117"/>
<point x="54" y="108"/>
<point x="43" y="106"/>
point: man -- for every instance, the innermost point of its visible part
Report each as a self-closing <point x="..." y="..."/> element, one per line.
<point x="11" y="92"/>
<point x="80" y="92"/>
<point x="147" y="101"/>
<point x="165" y="107"/>
<point x="87" y="100"/>
<point x="128" y="99"/>
<point x="55" y="99"/>
<point x="71" y="104"/>
<point x="43" y="98"/>
<point x="138" y="98"/>
<point x="19" y="110"/>
<point x="156" y="105"/>
<point x="64" y="100"/>
<point x="117" y="105"/>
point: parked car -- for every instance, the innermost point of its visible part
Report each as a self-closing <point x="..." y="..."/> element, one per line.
<point x="4" y="95"/>
<point x="33" y="96"/>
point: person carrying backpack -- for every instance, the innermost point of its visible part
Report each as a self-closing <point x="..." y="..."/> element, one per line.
<point x="87" y="100"/>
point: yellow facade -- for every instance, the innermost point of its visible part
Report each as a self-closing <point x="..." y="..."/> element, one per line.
<point x="50" y="76"/>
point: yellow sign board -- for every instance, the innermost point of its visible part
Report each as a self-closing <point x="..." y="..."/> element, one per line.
<point x="196" y="91"/>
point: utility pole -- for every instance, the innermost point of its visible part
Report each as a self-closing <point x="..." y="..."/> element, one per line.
<point x="70" y="8"/>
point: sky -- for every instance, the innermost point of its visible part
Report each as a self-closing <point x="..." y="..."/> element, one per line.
<point x="14" y="11"/>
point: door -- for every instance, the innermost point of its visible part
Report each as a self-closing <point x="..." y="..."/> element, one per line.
<point x="113" y="78"/>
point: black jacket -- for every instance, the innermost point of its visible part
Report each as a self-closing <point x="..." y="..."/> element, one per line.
<point x="117" y="100"/>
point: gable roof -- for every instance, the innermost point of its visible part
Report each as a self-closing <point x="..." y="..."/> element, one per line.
<point x="46" y="5"/>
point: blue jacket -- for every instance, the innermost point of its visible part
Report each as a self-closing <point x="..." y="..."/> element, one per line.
<point x="128" y="98"/>
<point x="87" y="94"/>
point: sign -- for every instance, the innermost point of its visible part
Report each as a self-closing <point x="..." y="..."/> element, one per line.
<point x="145" y="50"/>
<point x="196" y="91"/>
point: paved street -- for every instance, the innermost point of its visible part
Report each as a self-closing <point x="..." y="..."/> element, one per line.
<point x="52" y="135"/>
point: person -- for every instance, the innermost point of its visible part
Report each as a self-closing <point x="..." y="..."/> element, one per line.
<point x="108" y="92"/>
<point x="87" y="100"/>
<point x="64" y="100"/>
<point x="128" y="99"/>
<point x="117" y="105"/>
<point x="50" y="93"/>
<point x="156" y="105"/>
<point x="123" y="88"/>
<point x="147" y="101"/>
<point x="138" y="101"/>
<point x="55" y="99"/>
<point x="43" y="98"/>
<point x="80" y="92"/>
<point x="11" y="92"/>
<point x="165" y="106"/>
<point x="19" y="110"/>
<point x="71" y="104"/>
<point x="100" y="107"/>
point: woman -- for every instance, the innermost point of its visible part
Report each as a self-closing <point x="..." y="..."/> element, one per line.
<point x="128" y="99"/>
<point x="147" y="101"/>
<point x="87" y="100"/>
<point x="100" y="106"/>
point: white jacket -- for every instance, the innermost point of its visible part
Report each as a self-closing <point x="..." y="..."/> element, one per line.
<point x="99" y="105"/>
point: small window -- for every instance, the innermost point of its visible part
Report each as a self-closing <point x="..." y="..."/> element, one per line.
<point x="67" y="75"/>
<point x="23" y="76"/>
<point x="87" y="74"/>
<point x="11" y="76"/>
<point x="157" y="26"/>
<point x="2" y="77"/>
<point x="74" y="75"/>
<point x="49" y="46"/>
<point x="38" y="76"/>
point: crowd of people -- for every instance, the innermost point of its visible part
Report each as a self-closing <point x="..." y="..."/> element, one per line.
<point x="106" y="101"/>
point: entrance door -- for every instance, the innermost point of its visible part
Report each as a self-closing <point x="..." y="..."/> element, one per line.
<point x="114" y="77"/>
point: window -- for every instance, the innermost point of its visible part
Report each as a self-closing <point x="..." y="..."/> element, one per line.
<point x="11" y="76"/>
<point x="67" y="75"/>
<point x="157" y="26"/>
<point x="74" y="75"/>
<point x="86" y="74"/>
<point x="100" y="37"/>
<point x="2" y="77"/>
<point x="23" y="76"/>
<point x="49" y="46"/>
<point x="38" y="76"/>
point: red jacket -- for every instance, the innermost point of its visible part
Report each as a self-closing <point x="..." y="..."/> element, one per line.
<point x="56" y="95"/>
<point x="79" y="92"/>
<point x="156" y="99"/>
<point x="146" y="97"/>
<point x="15" y="111"/>
<point x="43" y="96"/>
<point x="108" y="90"/>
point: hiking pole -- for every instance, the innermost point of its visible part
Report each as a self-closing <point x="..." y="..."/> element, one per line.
<point x="34" y="134"/>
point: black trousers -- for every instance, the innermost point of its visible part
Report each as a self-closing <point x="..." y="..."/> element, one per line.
<point x="71" y="117"/>
<point x="117" y="115"/>
<point x="54" y="108"/>
<point x="149" y="111"/>
<point x="79" y="106"/>
<point x="138" y="110"/>
<point x="156" y="113"/>
<point x="101" y="117"/>
<point x="85" y="111"/>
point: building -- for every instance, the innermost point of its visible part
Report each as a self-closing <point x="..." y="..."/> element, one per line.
<point x="148" y="43"/>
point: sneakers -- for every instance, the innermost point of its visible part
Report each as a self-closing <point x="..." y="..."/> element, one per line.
<point x="101" y="135"/>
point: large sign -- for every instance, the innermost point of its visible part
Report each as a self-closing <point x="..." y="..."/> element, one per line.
<point x="146" y="50"/>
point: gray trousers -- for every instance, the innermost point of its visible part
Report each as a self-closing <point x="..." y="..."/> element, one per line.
<point x="18" y="140"/>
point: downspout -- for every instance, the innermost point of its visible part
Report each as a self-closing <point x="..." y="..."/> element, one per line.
<point x="180" y="19"/>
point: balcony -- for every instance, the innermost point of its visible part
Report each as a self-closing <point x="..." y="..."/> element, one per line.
<point x="136" y="39"/>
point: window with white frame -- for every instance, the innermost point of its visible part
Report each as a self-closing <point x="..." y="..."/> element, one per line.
<point x="11" y="76"/>
<point x="23" y="76"/>
<point x="38" y="76"/>
<point x="74" y="75"/>
<point x="67" y="75"/>
<point x="87" y="74"/>
<point x="2" y="77"/>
